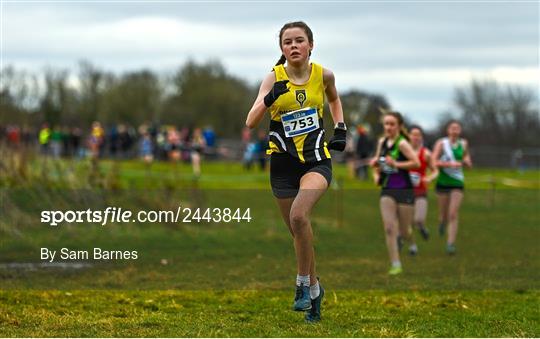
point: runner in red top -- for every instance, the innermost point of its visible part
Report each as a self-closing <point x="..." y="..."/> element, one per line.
<point x="420" y="187"/>
<point x="420" y="180"/>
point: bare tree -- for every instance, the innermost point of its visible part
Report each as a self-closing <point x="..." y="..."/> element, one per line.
<point x="498" y="115"/>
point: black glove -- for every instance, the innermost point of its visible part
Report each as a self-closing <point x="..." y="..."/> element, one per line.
<point x="339" y="140"/>
<point x="278" y="89"/>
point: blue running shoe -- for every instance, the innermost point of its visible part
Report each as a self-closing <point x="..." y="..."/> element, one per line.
<point x="302" y="300"/>
<point x="451" y="249"/>
<point x="314" y="315"/>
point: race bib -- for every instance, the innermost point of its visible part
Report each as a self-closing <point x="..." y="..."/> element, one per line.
<point x="385" y="168"/>
<point x="300" y="122"/>
<point x="415" y="178"/>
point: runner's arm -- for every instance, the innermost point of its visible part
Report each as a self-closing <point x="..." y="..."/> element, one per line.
<point x="256" y="114"/>
<point x="334" y="102"/>
<point x="375" y="164"/>
<point x="437" y="152"/>
<point x="433" y="169"/>
<point x="466" y="154"/>
<point x="410" y="154"/>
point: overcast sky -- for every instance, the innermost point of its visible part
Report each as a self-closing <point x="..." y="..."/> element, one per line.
<point x="414" y="53"/>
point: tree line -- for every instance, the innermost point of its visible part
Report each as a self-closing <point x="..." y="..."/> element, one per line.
<point x="205" y="94"/>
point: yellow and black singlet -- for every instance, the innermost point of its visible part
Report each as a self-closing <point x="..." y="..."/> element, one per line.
<point x="307" y="147"/>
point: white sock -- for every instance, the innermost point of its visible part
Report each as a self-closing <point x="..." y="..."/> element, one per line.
<point x="396" y="263"/>
<point x="413" y="247"/>
<point x="302" y="280"/>
<point x="314" y="291"/>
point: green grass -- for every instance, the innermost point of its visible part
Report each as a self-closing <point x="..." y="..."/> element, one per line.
<point x="228" y="313"/>
<point x="235" y="279"/>
<point x="216" y="175"/>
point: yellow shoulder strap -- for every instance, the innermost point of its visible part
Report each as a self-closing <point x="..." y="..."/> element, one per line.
<point x="279" y="70"/>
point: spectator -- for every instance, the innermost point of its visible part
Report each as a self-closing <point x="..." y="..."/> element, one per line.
<point x="364" y="148"/>
<point x="44" y="138"/>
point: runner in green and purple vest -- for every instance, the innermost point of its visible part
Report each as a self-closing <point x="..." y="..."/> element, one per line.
<point x="393" y="160"/>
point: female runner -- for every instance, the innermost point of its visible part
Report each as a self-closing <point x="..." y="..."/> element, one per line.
<point x="393" y="160"/>
<point x="420" y="179"/>
<point x="300" y="165"/>
<point x="451" y="154"/>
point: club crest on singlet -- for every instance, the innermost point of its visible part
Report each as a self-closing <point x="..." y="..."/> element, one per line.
<point x="301" y="96"/>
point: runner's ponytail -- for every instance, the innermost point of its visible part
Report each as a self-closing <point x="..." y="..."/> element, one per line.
<point x="281" y="60"/>
<point x="404" y="133"/>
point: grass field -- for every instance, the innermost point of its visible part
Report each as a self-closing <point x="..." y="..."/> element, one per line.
<point x="235" y="279"/>
<point x="222" y="313"/>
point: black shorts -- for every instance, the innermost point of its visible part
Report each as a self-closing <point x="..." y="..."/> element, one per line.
<point x="443" y="189"/>
<point x="401" y="196"/>
<point x="286" y="172"/>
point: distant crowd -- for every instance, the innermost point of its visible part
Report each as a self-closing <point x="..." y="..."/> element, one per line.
<point x="120" y="141"/>
<point x="166" y="142"/>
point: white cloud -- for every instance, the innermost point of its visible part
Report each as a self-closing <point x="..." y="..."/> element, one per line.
<point x="415" y="54"/>
<point x="438" y="77"/>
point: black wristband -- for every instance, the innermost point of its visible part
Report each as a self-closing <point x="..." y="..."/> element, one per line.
<point x="340" y="132"/>
<point x="341" y="125"/>
<point x="269" y="99"/>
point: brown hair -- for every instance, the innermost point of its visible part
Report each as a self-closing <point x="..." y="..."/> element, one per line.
<point x="295" y="24"/>
<point x="416" y="127"/>
<point x="452" y="121"/>
<point x="401" y="122"/>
